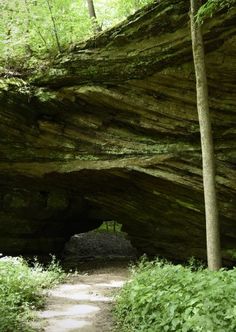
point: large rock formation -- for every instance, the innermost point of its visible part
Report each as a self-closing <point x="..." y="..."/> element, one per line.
<point x="109" y="131"/>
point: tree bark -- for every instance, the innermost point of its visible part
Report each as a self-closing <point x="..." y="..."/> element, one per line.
<point x="208" y="163"/>
<point x="93" y="16"/>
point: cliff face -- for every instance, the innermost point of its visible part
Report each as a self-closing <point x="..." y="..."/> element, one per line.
<point x="109" y="131"/>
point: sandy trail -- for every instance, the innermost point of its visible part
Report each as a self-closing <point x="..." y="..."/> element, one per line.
<point x="84" y="302"/>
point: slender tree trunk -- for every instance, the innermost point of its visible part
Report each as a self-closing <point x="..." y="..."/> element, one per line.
<point x="93" y="16"/>
<point x="54" y="26"/>
<point x="36" y="27"/>
<point x="208" y="164"/>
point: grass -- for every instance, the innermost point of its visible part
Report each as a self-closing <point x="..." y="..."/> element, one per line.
<point x="22" y="291"/>
<point x="162" y="297"/>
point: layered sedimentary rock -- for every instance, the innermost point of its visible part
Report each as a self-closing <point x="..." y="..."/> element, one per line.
<point x="109" y="131"/>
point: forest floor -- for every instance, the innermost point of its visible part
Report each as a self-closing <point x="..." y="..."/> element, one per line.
<point x="84" y="302"/>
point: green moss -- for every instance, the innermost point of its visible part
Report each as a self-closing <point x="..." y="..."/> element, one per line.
<point x="87" y="157"/>
<point x="45" y="96"/>
<point x="57" y="200"/>
<point x="160" y="148"/>
<point x="230" y="253"/>
<point x="92" y="70"/>
<point x="16" y="200"/>
<point x="187" y="205"/>
<point x="13" y="84"/>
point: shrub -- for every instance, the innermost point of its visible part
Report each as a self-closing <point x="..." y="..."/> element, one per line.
<point x="21" y="290"/>
<point x="164" y="297"/>
<point x="212" y="7"/>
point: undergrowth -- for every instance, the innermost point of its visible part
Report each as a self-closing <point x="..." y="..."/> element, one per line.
<point x="212" y="7"/>
<point x="21" y="291"/>
<point x="162" y="297"/>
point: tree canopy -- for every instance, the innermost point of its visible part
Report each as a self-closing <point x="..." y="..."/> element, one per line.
<point x="32" y="29"/>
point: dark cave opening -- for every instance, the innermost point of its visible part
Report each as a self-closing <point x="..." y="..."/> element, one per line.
<point x="102" y="245"/>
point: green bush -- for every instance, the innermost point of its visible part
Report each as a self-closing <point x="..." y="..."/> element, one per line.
<point x="21" y="290"/>
<point x="212" y="7"/>
<point x="163" y="297"/>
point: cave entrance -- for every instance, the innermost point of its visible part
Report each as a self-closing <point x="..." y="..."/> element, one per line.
<point x="101" y="246"/>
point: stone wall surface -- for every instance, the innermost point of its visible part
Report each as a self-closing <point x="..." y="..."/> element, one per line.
<point x="109" y="131"/>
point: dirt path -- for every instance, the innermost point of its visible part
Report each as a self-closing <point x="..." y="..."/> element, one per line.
<point x="83" y="303"/>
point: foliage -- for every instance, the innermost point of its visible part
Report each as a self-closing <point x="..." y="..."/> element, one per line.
<point x="122" y="9"/>
<point x="21" y="289"/>
<point x="109" y="227"/>
<point x="211" y="7"/>
<point x="165" y="297"/>
<point x="32" y="29"/>
<point x="27" y="28"/>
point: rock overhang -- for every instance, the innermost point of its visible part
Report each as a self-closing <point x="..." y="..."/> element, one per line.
<point x="101" y="146"/>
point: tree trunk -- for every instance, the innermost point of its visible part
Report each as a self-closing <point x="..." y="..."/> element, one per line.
<point x="208" y="163"/>
<point x="92" y="14"/>
<point x="54" y="27"/>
